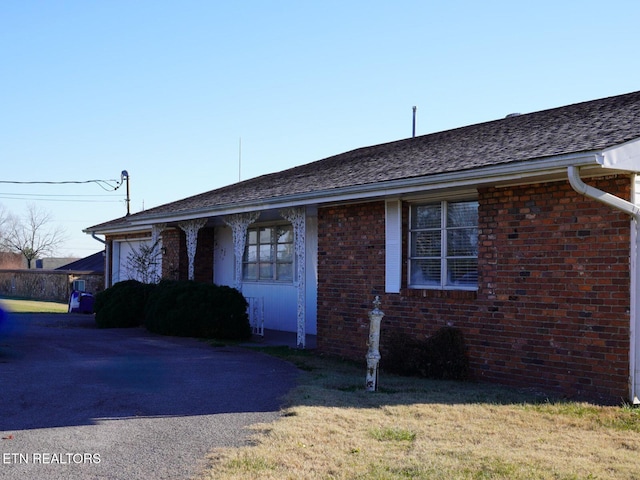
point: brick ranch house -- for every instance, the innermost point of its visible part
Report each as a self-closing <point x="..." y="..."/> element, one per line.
<point x="521" y="232"/>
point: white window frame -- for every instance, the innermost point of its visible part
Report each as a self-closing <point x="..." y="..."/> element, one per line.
<point x="273" y="243"/>
<point x="444" y="258"/>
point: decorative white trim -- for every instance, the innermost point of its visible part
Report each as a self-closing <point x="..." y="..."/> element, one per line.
<point x="634" y="314"/>
<point x="239" y="222"/>
<point x="191" y="228"/>
<point x="297" y="217"/>
<point x="393" y="246"/>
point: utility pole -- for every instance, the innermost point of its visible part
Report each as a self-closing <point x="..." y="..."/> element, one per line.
<point x="124" y="176"/>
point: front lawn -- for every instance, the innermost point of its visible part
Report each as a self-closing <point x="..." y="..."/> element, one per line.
<point x="32" y="306"/>
<point x="331" y="428"/>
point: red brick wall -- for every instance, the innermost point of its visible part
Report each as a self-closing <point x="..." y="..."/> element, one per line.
<point x="351" y="263"/>
<point x="551" y="310"/>
<point x="555" y="290"/>
<point x="203" y="264"/>
<point x="173" y="240"/>
<point x="175" y="264"/>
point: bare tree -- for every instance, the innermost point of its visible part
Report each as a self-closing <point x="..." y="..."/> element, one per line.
<point x="144" y="263"/>
<point x="5" y="220"/>
<point x="32" y="235"/>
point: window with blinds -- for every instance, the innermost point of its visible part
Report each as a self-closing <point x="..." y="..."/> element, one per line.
<point x="443" y="245"/>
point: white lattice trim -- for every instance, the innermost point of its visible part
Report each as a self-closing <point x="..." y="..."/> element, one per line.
<point x="239" y="223"/>
<point x="297" y="217"/>
<point x="191" y="228"/>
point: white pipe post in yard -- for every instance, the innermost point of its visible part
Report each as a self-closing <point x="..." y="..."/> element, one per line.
<point x="373" y="355"/>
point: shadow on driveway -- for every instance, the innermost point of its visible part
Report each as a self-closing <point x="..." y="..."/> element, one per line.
<point x="59" y="370"/>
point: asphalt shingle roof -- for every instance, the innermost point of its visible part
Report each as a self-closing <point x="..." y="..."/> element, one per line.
<point x="92" y="263"/>
<point x="581" y="127"/>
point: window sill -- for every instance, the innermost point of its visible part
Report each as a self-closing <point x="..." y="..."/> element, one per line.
<point x="439" y="293"/>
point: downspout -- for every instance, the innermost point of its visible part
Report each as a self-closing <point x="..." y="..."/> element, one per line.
<point x="107" y="270"/>
<point x="93" y="235"/>
<point x="634" y="211"/>
<point x="107" y="254"/>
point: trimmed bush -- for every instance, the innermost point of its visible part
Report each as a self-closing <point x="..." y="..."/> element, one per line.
<point x="192" y="309"/>
<point x="122" y="305"/>
<point x="441" y="356"/>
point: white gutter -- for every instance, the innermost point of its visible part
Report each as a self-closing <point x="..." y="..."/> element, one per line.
<point x="604" y="197"/>
<point x="633" y="210"/>
<point x="516" y="173"/>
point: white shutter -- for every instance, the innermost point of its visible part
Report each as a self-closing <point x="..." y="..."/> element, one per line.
<point x="393" y="245"/>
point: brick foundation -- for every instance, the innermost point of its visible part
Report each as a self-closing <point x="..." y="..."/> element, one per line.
<point x="552" y="306"/>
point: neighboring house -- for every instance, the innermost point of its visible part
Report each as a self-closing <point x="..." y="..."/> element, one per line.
<point x="521" y="232"/>
<point x="10" y="260"/>
<point x="52" y="263"/>
<point x="92" y="263"/>
<point x="86" y="274"/>
<point x="57" y="284"/>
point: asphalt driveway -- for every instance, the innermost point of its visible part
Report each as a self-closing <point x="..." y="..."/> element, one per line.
<point x="82" y="403"/>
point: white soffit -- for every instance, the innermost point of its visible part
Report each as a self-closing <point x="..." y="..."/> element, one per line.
<point x="622" y="157"/>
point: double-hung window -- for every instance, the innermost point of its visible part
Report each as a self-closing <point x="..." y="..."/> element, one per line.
<point x="268" y="254"/>
<point x="443" y="245"/>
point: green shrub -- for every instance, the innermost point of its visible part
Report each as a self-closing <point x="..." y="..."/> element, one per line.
<point x="191" y="309"/>
<point x="441" y="356"/>
<point x="122" y="305"/>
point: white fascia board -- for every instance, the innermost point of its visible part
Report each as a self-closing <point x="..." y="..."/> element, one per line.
<point x="121" y="229"/>
<point x="622" y="157"/>
<point x="512" y="173"/>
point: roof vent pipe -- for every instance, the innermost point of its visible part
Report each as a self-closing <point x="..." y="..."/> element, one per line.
<point x="414" y="122"/>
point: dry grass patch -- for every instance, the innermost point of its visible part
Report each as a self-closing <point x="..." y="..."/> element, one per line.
<point x="32" y="306"/>
<point x="421" y="429"/>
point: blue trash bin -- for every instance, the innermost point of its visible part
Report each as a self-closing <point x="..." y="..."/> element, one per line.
<point x="86" y="302"/>
<point x="81" y="302"/>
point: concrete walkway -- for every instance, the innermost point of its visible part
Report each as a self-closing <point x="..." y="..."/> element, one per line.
<point x="82" y="403"/>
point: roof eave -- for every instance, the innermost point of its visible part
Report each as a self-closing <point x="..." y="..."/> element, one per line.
<point x="531" y="171"/>
<point x="625" y="156"/>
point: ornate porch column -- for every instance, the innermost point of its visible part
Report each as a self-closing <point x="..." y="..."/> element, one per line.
<point x="190" y="228"/>
<point x="239" y="222"/>
<point x="297" y="217"/>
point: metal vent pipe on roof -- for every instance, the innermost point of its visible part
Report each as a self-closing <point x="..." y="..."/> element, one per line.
<point x="413" y="134"/>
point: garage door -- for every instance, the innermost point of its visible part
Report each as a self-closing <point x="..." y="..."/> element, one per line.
<point x="135" y="260"/>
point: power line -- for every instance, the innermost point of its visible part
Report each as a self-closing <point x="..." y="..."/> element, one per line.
<point x="45" y="199"/>
<point x="53" y="195"/>
<point x="101" y="183"/>
<point x="107" y="185"/>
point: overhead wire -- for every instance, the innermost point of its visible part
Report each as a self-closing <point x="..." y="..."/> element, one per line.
<point x="110" y="185"/>
<point x="101" y="183"/>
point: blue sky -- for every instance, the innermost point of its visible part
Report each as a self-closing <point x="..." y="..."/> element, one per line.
<point x="166" y="89"/>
